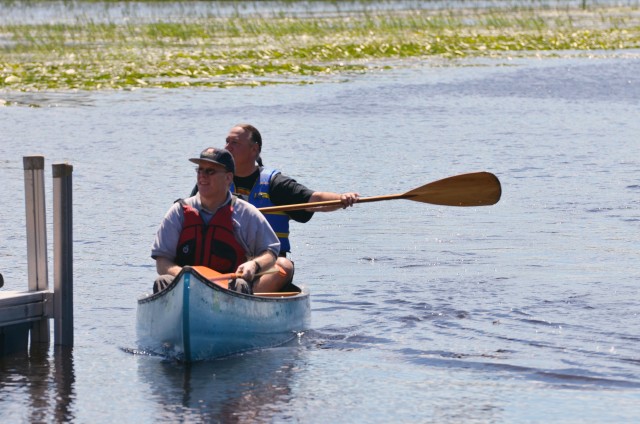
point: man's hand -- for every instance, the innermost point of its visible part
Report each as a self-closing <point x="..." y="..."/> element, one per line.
<point x="248" y="270"/>
<point x="348" y="199"/>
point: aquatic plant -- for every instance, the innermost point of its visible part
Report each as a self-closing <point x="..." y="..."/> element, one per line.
<point x="223" y="51"/>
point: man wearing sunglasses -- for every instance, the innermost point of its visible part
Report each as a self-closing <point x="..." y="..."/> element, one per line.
<point x="215" y="229"/>
<point x="264" y="187"/>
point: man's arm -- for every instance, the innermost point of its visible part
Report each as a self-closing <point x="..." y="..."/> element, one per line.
<point x="287" y="191"/>
<point x="167" y="266"/>
<point x="347" y="200"/>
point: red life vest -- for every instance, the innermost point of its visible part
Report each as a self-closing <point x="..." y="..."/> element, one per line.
<point x="212" y="245"/>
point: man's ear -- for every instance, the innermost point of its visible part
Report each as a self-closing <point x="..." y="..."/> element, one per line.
<point x="228" y="177"/>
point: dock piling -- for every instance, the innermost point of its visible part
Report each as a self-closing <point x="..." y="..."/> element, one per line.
<point x="36" y="237"/>
<point x="62" y="254"/>
<point x="27" y="313"/>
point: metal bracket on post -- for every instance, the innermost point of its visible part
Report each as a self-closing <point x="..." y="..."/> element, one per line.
<point x="63" y="254"/>
<point x="36" y="236"/>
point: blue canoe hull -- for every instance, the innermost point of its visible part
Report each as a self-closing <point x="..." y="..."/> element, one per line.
<point x="194" y="319"/>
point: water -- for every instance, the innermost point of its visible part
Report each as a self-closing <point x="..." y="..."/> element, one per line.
<point x="525" y="311"/>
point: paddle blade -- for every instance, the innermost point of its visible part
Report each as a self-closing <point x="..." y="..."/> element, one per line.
<point x="475" y="189"/>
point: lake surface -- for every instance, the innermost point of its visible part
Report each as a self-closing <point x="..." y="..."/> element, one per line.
<point x="526" y="311"/>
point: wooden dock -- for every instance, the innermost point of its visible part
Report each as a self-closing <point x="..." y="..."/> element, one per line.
<point x="25" y="315"/>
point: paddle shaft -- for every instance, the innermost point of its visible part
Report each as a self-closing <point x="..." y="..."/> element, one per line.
<point x="474" y="189"/>
<point x="298" y="206"/>
<point x="232" y="275"/>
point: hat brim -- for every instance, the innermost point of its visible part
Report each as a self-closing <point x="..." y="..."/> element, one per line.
<point x="200" y="160"/>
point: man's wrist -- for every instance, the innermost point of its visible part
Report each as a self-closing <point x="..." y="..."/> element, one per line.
<point x="258" y="267"/>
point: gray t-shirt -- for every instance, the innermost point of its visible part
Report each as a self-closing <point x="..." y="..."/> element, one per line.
<point x="250" y="228"/>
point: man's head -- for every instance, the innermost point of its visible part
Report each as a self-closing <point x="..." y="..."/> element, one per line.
<point x="245" y="144"/>
<point x="215" y="172"/>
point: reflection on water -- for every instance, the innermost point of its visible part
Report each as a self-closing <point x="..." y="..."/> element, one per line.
<point x="39" y="382"/>
<point x="241" y="388"/>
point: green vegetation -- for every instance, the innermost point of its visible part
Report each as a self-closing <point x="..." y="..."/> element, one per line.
<point x="215" y="51"/>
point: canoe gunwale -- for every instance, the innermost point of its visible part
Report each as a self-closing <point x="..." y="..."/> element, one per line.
<point x="214" y="286"/>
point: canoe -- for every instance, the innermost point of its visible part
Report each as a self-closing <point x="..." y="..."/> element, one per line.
<point x="196" y="319"/>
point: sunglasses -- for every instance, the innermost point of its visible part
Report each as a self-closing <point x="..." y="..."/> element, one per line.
<point x="210" y="171"/>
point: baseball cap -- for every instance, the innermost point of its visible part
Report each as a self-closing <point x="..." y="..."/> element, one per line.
<point x="217" y="156"/>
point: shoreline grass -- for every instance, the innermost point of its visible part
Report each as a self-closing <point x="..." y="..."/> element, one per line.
<point x="215" y="51"/>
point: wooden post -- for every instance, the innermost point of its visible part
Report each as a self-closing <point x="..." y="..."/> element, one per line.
<point x="36" y="236"/>
<point x="62" y="255"/>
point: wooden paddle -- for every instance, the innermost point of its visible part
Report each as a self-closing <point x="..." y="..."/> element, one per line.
<point x="474" y="189"/>
<point x="232" y="275"/>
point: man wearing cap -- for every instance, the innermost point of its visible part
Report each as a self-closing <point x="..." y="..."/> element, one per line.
<point x="264" y="187"/>
<point x="215" y="229"/>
